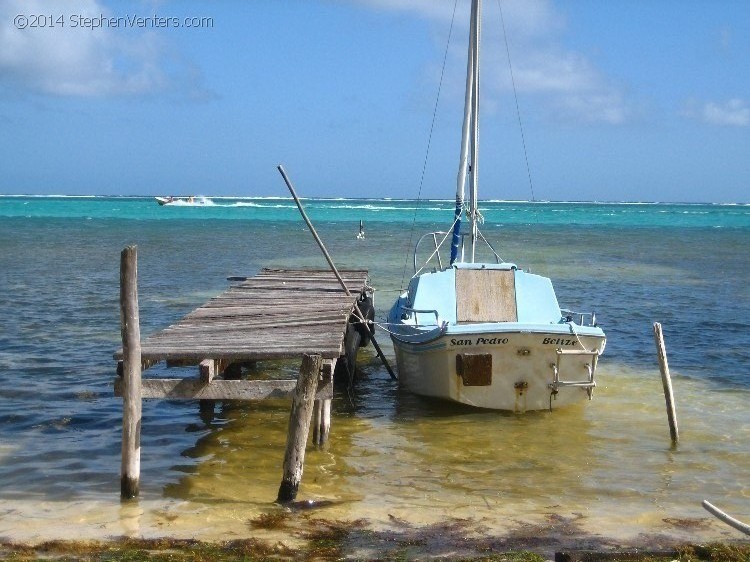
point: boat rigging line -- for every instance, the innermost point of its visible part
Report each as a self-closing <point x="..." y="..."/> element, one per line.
<point x="515" y="96"/>
<point x="429" y="142"/>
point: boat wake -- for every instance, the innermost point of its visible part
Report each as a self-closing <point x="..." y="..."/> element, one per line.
<point x="199" y="201"/>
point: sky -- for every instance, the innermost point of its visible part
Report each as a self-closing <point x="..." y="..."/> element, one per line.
<point x="617" y="100"/>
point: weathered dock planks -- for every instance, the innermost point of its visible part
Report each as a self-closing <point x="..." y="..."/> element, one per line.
<point x="279" y="313"/>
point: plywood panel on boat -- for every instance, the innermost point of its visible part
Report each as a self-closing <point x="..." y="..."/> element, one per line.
<point x="485" y="295"/>
<point x="276" y="314"/>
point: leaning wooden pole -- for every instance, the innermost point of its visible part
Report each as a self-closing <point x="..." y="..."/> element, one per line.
<point x="299" y="427"/>
<point x="335" y="271"/>
<point x="728" y="519"/>
<point x="131" y="373"/>
<point x="666" y="380"/>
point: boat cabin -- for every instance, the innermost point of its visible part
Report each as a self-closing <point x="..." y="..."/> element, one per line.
<point x="487" y="293"/>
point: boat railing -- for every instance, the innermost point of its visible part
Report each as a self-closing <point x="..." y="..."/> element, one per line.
<point x="416" y="311"/>
<point x="437" y="246"/>
<point x="583" y="318"/>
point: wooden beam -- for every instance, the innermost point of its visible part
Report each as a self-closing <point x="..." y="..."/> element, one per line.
<point x="195" y="354"/>
<point x="145" y="364"/>
<point x="207" y="369"/>
<point x="195" y="389"/>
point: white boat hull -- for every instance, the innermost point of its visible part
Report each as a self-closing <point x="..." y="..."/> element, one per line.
<point x="522" y="368"/>
<point x="198" y="201"/>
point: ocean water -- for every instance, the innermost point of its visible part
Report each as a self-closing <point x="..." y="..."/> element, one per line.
<point x="606" y="468"/>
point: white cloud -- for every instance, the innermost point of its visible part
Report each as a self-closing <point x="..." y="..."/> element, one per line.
<point x="79" y="61"/>
<point x="734" y="112"/>
<point x="532" y="16"/>
<point x="566" y="82"/>
<point x="568" y="85"/>
<point x="425" y="8"/>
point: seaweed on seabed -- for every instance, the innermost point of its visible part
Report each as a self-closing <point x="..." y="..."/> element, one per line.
<point x="335" y="539"/>
<point x="716" y="552"/>
<point x="270" y="521"/>
<point x="327" y="543"/>
<point x="328" y="539"/>
<point x="158" y="550"/>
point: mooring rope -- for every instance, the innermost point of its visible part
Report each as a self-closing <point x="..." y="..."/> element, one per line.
<point x="573" y="331"/>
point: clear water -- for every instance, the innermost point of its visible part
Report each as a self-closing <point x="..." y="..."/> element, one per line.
<point x="607" y="466"/>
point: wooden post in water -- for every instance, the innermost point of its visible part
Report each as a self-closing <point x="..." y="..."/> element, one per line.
<point x="325" y="421"/>
<point x="131" y="372"/>
<point x="666" y="381"/>
<point x="299" y="427"/>
<point x="321" y="421"/>
<point x="322" y="408"/>
<point x="316" y="419"/>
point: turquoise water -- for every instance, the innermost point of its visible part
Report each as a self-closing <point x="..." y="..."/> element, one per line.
<point x="684" y="265"/>
<point x="399" y="211"/>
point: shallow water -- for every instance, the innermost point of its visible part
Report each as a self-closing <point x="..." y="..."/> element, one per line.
<point x="606" y="467"/>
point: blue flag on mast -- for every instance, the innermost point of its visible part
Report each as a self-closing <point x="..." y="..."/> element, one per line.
<point x="455" y="242"/>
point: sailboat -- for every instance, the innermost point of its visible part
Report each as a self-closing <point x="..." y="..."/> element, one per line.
<point x="483" y="332"/>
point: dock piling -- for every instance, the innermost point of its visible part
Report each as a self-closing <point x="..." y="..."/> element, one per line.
<point x="322" y="407"/>
<point x="321" y="421"/>
<point x="666" y="380"/>
<point x="299" y="427"/>
<point x="131" y="374"/>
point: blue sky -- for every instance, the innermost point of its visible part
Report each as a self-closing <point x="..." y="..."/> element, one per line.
<point x="623" y="100"/>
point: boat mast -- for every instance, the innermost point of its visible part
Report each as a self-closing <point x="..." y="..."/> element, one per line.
<point x="476" y="20"/>
<point x="469" y="138"/>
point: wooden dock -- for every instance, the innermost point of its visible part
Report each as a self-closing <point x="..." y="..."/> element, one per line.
<point x="279" y="313"/>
